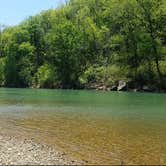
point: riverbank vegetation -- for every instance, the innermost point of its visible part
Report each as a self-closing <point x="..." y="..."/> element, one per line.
<point x="88" y="44"/>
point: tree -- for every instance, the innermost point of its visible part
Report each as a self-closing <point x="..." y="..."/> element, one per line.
<point x="152" y="14"/>
<point x="10" y="71"/>
<point x="96" y="39"/>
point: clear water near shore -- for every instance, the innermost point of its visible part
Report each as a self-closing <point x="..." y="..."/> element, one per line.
<point x="99" y="127"/>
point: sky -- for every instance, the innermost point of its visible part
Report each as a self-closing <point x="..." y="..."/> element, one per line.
<point x="12" y="12"/>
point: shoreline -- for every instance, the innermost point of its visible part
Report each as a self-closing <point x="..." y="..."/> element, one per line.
<point x="89" y="89"/>
<point x="14" y="151"/>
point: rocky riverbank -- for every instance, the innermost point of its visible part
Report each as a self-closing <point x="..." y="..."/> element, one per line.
<point x="124" y="86"/>
<point x="15" y="151"/>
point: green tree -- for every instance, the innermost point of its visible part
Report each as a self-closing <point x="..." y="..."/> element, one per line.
<point x="152" y="18"/>
<point x="10" y="71"/>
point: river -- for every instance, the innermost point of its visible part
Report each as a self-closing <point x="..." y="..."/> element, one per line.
<point x="94" y="126"/>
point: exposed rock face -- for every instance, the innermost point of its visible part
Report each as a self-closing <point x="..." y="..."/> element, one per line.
<point x="122" y="86"/>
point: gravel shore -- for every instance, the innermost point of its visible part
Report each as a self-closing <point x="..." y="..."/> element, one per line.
<point x="27" y="152"/>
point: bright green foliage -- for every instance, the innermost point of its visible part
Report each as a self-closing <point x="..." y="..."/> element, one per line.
<point x="45" y="77"/>
<point x="25" y="67"/>
<point x="109" y="75"/>
<point x="84" y="43"/>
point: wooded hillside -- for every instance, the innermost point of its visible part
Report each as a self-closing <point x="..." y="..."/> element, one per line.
<point x="88" y="43"/>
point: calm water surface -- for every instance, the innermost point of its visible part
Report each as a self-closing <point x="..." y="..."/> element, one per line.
<point x="99" y="127"/>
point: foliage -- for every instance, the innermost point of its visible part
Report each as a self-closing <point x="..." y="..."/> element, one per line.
<point x="109" y="75"/>
<point x="87" y="42"/>
<point x="2" y="67"/>
<point x="45" y="77"/>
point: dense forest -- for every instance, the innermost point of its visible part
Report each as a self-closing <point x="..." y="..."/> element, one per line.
<point x="88" y="44"/>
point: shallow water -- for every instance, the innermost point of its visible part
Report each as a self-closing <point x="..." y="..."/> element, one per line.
<point x="98" y="127"/>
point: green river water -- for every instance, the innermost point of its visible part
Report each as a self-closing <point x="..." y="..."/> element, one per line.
<point x="98" y="127"/>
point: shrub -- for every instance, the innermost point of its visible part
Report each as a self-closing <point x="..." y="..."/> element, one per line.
<point x="45" y="77"/>
<point x="109" y="75"/>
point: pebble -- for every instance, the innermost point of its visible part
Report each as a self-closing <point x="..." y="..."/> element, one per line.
<point x="27" y="152"/>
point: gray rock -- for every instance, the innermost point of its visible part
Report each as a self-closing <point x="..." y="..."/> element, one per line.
<point x="146" y="88"/>
<point x="114" y="88"/>
<point x="122" y="85"/>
